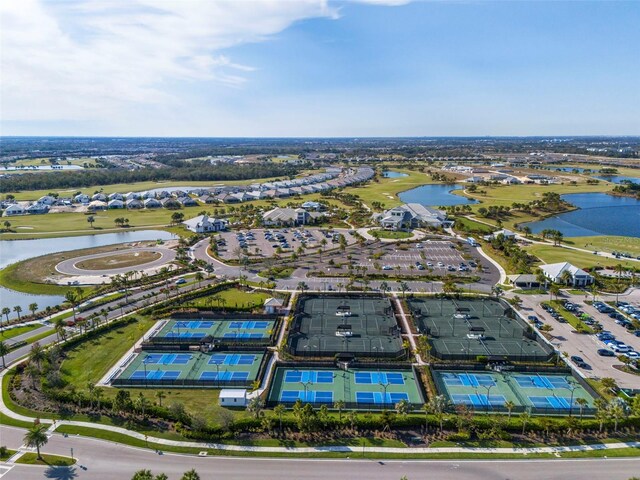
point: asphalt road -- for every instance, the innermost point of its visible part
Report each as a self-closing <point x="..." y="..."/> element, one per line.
<point x="68" y="267"/>
<point x="110" y="461"/>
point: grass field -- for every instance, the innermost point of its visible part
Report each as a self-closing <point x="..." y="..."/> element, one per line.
<point x="14" y="332"/>
<point x="31" y="458"/>
<point x="385" y="191"/>
<point x="608" y="243"/>
<point x="391" y="234"/>
<point x="472" y="225"/>
<point x="122" y="260"/>
<point x="233" y="297"/>
<point x="551" y="254"/>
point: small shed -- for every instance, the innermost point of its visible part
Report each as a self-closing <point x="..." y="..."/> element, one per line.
<point x="233" y="397"/>
<point x="272" y="306"/>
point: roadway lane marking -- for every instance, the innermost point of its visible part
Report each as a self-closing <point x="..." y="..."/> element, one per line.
<point x="4" y="469"/>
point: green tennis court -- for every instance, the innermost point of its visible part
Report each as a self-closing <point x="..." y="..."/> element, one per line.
<point x="540" y="392"/>
<point x="229" y="329"/>
<point x="466" y="328"/>
<point x="358" y="388"/>
<point x="190" y="369"/>
<point x="325" y="325"/>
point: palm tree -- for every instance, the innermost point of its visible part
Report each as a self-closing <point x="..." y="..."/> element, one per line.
<point x="302" y="286"/>
<point x="59" y="325"/>
<point x="18" y="310"/>
<point x="91" y="219"/>
<point x="255" y="406"/>
<point x="404" y="286"/>
<point x="566" y="278"/>
<point x="602" y="414"/>
<point x="279" y="410"/>
<point x="339" y="405"/>
<point x="160" y="395"/>
<point x="4" y="349"/>
<point x="554" y="290"/>
<point x="581" y="402"/>
<point x="36" y="437"/>
<point x="33" y="308"/>
<point x="191" y="475"/>
<point x="619" y="269"/>
<point x="509" y="405"/>
<point x="98" y="394"/>
<point x="37" y="354"/>
<point x="72" y="298"/>
<point x="6" y="311"/>
<point x="524" y="418"/>
<point x="199" y="277"/>
<point x="438" y="405"/>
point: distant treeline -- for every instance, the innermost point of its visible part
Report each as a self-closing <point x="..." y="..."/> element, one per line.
<point x="88" y="178"/>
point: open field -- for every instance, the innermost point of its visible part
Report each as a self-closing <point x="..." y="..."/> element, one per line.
<point x="385" y="191"/>
<point x="394" y="235"/>
<point x="14" y="332"/>
<point x="551" y="254"/>
<point x="118" y="261"/>
<point x="608" y="243"/>
<point x="233" y="297"/>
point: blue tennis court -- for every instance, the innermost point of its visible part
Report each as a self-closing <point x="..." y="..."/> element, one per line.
<point x="249" y="325"/>
<point x="232" y="359"/>
<point x="312" y="396"/>
<point x="391" y="378"/>
<point x="380" y="398"/>
<point x="224" y="376"/>
<point x="167" y="358"/>
<point x="468" y="380"/>
<point x="194" y="325"/>
<point x="155" y="375"/>
<point x="557" y="403"/>
<point x="243" y="335"/>
<point x="308" y="376"/>
<point x="478" y="400"/>
<point x="541" y="381"/>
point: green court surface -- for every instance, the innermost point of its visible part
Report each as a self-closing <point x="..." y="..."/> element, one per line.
<point x="327" y="325"/>
<point x="549" y="393"/>
<point x="462" y="329"/>
<point x="229" y="329"/>
<point x="367" y="389"/>
<point x="190" y="369"/>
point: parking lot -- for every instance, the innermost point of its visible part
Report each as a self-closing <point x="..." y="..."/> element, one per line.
<point x="433" y="256"/>
<point x="586" y="346"/>
<point x="265" y="243"/>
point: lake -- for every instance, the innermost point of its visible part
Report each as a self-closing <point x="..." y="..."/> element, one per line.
<point x="394" y="175"/>
<point x="618" y="178"/>
<point x="12" y="251"/>
<point x="435" y="196"/>
<point x="42" y="167"/>
<point x="598" y="214"/>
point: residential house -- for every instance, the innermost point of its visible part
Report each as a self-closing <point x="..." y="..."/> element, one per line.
<point x="170" y="203"/>
<point x="115" y="203"/>
<point x="47" y="200"/>
<point x="507" y="234"/>
<point x="116" y="196"/>
<point x="96" y="205"/>
<point x="81" y="198"/>
<point x="15" y="209"/>
<point x="38" y="209"/>
<point x="187" y="201"/>
<point x="134" y="204"/>
<point x="100" y="197"/>
<point x="151" y="203"/>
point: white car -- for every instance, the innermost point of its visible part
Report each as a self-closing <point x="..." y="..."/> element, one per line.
<point x="632" y="354"/>
<point x="440" y="264"/>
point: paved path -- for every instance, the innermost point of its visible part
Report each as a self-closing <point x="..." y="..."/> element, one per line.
<point x="69" y="267"/>
<point x="111" y="461"/>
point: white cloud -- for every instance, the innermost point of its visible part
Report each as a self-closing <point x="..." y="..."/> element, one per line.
<point x="85" y="60"/>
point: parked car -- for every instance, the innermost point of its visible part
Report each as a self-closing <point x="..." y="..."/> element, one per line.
<point x="603" y="352"/>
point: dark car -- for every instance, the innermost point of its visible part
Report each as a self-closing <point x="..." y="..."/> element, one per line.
<point x="603" y="352"/>
<point x="576" y="359"/>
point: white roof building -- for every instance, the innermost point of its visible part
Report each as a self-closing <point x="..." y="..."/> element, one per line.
<point x="410" y="215"/>
<point x="204" y="224"/>
<point x="233" y="397"/>
<point x="556" y="273"/>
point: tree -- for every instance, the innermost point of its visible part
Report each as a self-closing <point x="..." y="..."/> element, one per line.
<point x="618" y="409"/>
<point x="302" y="286"/>
<point x="37" y="354"/>
<point x="191" y="475"/>
<point x="509" y="405"/>
<point x="142" y="475"/>
<point x="255" y="406"/>
<point x="177" y="217"/>
<point x="72" y="298"/>
<point x="199" y="277"/>
<point x="18" y="310"/>
<point x="524" y="418"/>
<point x="581" y="402"/>
<point x="33" y="308"/>
<point x="4" y="349"/>
<point x="619" y="269"/>
<point x="403" y="407"/>
<point x="160" y="395"/>
<point x="609" y="383"/>
<point x="339" y="405"/>
<point x="554" y="291"/>
<point x="279" y="410"/>
<point x="404" y="287"/>
<point x="36" y="437"/>
<point x="438" y="405"/>
<point x="6" y="311"/>
<point x="91" y="219"/>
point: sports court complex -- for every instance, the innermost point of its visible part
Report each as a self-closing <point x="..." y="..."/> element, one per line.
<point x="463" y="329"/>
<point x="359" y="388"/>
<point x="190" y="369"/>
<point x="326" y="325"/>
<point x="229" y="329"/>
<point x="538" y="392"/>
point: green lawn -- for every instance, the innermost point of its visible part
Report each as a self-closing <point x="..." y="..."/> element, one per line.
<point x="385" y="191"/>
<point x="391" y="234"/>
<point x="6" y="454"/>
<point x="471" y="225"/>
<point x="14" y="332"/>
<point x="30" y="458"/>
<point x="233" y="297"/>
<point x="608" y="243"/>
<point x="551" y="254"/>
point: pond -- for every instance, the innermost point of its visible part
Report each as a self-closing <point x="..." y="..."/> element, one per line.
<point x="435" y="196"/>
<point x="389" y="174"/>
<point x="618" y="178"/>
<point x="12" y="251"/>
<point x="598" y="214"/>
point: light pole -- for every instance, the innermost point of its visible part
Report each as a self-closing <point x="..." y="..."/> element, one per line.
<point x="306" y="386"/>
<point x="488" y="402"/>
<point x="384" y="399"/>
<point x="573" y="389"/>
<point x="144" y="364"/>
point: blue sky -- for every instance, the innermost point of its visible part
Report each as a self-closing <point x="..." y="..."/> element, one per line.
<point x="321" y="69"/>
